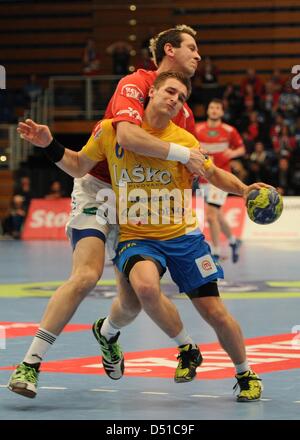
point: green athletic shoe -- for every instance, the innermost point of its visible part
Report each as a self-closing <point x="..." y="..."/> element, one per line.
<point x="112" y="356"/>
<point x="189" y="359"/>
<point x="250" y="387"/>
<point x="24" y="381"/>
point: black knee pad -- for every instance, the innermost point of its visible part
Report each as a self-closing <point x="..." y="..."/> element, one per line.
<point x="135" y="259"/>
<point x="208" y="289"/>
<point x="130" y="263"/>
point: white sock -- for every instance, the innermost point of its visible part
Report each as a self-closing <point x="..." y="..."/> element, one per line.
<point x="232" y="239"/>
<point x="183" y="338"/>
<point x="109" y="329"/>
<point x="41" y="343"/>
<point x="241" y="368"/>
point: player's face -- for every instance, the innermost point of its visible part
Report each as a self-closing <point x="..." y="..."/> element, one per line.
<point x="186" y="56"/>
<point x="169" y="98"/>
<point x="215" y="111"/>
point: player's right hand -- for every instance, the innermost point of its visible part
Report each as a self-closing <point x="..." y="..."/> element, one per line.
<point x="36" y="134"/>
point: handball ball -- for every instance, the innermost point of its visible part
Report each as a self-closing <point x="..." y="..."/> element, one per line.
<point x="264" y="205"/>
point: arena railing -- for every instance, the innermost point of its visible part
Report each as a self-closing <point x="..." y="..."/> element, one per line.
<point x="79" y="97"/>
<point x="13" y="149"/>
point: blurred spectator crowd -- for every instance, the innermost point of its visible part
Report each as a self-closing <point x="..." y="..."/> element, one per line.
<point x="266" y="114"/>
<point x="13" y="222"/>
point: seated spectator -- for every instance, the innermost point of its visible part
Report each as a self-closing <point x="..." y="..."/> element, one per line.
<point x="90" y="58"/>
<point x="208" y="72"/>
<point x="255" y="172"/>
<point x="250" y="100"/>
<point x="259" y="154"/>
<point x="228" y="116"/>
<point x="23" y="189"/>
<point x="120" y="52"/>
<point x="258" y="172"/>
<point x="284" y="143"/>
<point x="278" y="80"/>
<point x="254" y="80"/>
<point x="238" y="169"/>
<point x="13" y="223"/>
<point x="233" y="96"/>
<point x="289" y="103"/>
<point x="276" y="128"/>
<point x="282" y="176"/>
<point x="55" y="191"/>
<point x="249" y="143"/>
<point x="270" y="98"/>
<point x="253" y="126"/>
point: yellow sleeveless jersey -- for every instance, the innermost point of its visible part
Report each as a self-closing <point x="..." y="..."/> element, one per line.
<point x="153" y="196"/>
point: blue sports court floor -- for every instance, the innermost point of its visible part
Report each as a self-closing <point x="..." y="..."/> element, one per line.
<point x="262" y="291"/>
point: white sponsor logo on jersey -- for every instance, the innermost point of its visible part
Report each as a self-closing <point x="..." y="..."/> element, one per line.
<point x="131" y="112"/>
<point x="141" y="174"/>
<point x="132" y="91"/>
<point x="185" y="112"/>
<point x="215" y="147"/>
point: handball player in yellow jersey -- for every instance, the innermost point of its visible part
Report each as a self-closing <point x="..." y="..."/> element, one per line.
<point x="146" y="250"/>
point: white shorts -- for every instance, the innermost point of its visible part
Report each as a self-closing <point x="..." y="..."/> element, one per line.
<point x="213" y="195"/>
<point x="84" y="209"/>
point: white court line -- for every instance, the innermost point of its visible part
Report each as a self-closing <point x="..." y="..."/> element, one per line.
<point x="103" y="390"/>
<point x="53" y="388"/>
<point x="152" y="392"/>
<point x="296" y="401"/>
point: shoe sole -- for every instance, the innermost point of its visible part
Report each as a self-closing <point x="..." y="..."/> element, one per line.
<point x="22" y="391"/>
<point x="108" y="364"/>
<point x="184" y="380"/>
<point x="244" y="400"/>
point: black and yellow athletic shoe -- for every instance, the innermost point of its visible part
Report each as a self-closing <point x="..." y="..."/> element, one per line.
<point x="250" y="387"/>
<point x="189" y="359"/>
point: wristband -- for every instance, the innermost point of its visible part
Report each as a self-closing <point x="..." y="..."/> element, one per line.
<point x="54" y="151"/>
<point x="179" y="153"/>
<point x="207" y="164"/>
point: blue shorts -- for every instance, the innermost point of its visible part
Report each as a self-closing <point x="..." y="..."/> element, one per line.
<point x="188" y="259"/>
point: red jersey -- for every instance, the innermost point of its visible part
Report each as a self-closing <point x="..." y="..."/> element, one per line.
<point x="128" y="104"/>
<point x="215" y="140"/>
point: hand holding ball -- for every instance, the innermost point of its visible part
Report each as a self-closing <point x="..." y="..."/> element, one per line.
<point x="264" y="205"/>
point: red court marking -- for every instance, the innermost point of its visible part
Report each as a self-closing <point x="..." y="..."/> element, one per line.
<point x="266" y="354"/>
<point x="19" y="329"/>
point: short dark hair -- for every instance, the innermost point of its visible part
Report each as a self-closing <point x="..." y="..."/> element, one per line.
<point x="172" y="36"/>
<point x="216" y="101"/>
<point x="162" y="77"/>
